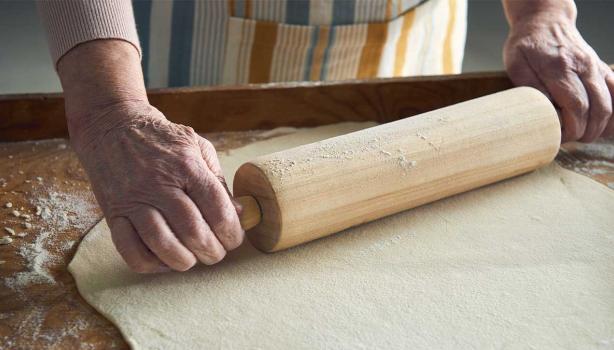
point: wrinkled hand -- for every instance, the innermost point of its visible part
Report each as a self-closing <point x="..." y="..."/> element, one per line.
<point x="160" y="187"/>
<point x="548" y="53"/>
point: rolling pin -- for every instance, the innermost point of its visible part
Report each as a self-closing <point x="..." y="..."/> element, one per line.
<point x="304" y="193"/>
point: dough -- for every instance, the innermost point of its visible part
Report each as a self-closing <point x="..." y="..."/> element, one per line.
<point x="526" y="263"/>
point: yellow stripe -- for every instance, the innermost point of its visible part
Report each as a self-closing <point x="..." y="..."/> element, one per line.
<point x="372" y="50"/>
<point x="318" y="53"/>
<point x="388" y="9"/>
<point x="448" y="64"/>
<point x="265" y="37"/>
<point x="401" y="49"/>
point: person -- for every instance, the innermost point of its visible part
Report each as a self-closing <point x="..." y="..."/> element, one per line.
<point x="160" y="184"/>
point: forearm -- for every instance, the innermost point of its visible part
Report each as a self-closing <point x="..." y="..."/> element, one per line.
<point x="519" y="11"/>
<point x="98" y="75"/>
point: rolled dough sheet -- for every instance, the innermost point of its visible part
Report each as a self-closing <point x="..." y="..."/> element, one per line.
<point x="526" y="263"/>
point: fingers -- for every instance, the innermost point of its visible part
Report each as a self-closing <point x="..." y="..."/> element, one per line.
<point x="227" y="220"/>
<point x="600" y="103"/>
<point x="609" y="80"/>
<point x="129" y="245"/>
<point x="158" y="237"/>
<point x="217" y="209"/>
<point x="522" y="74"/>
<point x="188" y="224"/>
<point x="215" y="205"/>
<point x="569" y="94"/>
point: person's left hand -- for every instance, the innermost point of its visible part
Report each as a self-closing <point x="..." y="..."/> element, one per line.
<point x="548" y="53"/>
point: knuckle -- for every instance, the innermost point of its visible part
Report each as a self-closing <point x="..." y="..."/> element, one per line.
<point x="165" y="247"/>
<point x="578" y="106"/>
<point x="582" y="105"/>
<point x="207" y="145"/>
<point x="206" y="248"/>
<point x="203" y="242"/>
<point x="227" y="221"/>
<point x="185" y="161"/>
<point x="562" y="62"/>
<point x="233" y="241"/>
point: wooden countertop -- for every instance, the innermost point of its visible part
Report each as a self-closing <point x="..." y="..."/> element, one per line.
<point x="41" y="307"/>
<point x="39" y="303"/>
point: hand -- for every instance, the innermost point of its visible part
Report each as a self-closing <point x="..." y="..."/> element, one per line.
<point x="159" y="184"/>
<point x="161" y="188"/>
<point x="547" y="52"/>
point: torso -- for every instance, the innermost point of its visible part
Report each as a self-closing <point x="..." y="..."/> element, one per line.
<point x="257" y="41"/>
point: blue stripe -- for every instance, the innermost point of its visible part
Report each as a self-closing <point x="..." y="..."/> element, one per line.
<point x="331" y="39"/>
<point x="142" y="14"/>
<point x="343" y="11"/>
<point x="239" y="8"/>
<point x="181" y="43"/>
<point x="312" y="44"/>
<point x="297" y="12"/>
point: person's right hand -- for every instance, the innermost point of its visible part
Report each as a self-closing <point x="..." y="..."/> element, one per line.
<point x="161" y="189"/>
<point x="159" y="184"/>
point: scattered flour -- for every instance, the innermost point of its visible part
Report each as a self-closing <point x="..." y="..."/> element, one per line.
<point x="30" y="330"/>
<point x="60" y="210"/>
<point x="597" y="149"/>
<point x="277" y="132"/>
<point x="36" y="256"/>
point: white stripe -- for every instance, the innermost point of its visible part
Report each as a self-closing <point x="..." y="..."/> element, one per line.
<point x="387" y="61"/>
<point x="459" y="35"/>
<point x="321" y="12"/>
<point x="160" y="42"/>
<point x="279" y="51"/>
<point x="416" y="38"/>
<point x="246" y="51"/>
<point x="344" y="56"/>
<point x="438" y="24"/>
<point x="233" y="40"/>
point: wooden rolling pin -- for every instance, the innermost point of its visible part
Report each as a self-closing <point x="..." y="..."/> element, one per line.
<point x="312" y="191"/>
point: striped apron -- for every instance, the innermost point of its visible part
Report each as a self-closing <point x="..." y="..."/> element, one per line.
<point x="221" y="42"/>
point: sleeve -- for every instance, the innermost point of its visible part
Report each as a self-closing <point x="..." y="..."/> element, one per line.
<point x="69" y="23"/>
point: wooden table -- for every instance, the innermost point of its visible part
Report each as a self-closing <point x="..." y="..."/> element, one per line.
<point x="49" y="313"/>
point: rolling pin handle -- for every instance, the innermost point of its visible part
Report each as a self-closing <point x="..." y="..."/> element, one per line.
<point x="251" y="214"/>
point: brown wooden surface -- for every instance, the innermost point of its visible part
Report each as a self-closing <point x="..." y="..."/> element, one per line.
<point x="41" y="116"/>
<point x="54" y="315"/>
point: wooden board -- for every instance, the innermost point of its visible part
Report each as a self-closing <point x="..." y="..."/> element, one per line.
<point x="53" y="315"/>
<point x="240" y="108"/>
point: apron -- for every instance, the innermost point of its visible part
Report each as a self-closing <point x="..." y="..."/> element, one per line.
<point x="226" y="42"/>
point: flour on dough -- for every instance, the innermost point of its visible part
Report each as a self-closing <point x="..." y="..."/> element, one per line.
<point x="526" y="263"/>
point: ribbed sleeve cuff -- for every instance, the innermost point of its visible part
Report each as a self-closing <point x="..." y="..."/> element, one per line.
<point x="69" y="23"/>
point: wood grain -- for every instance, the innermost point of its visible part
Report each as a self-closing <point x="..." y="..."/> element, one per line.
<point x="54" y="316"/>
<point x="265" y="106"/>
<point x="315" y="190"/>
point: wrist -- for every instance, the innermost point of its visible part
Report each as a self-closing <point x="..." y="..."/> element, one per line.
<point x="97" y="77"/>
<point x="521" y="14"/>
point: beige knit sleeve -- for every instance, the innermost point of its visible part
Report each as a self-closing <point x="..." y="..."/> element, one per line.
<point x="71" y="22"/>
